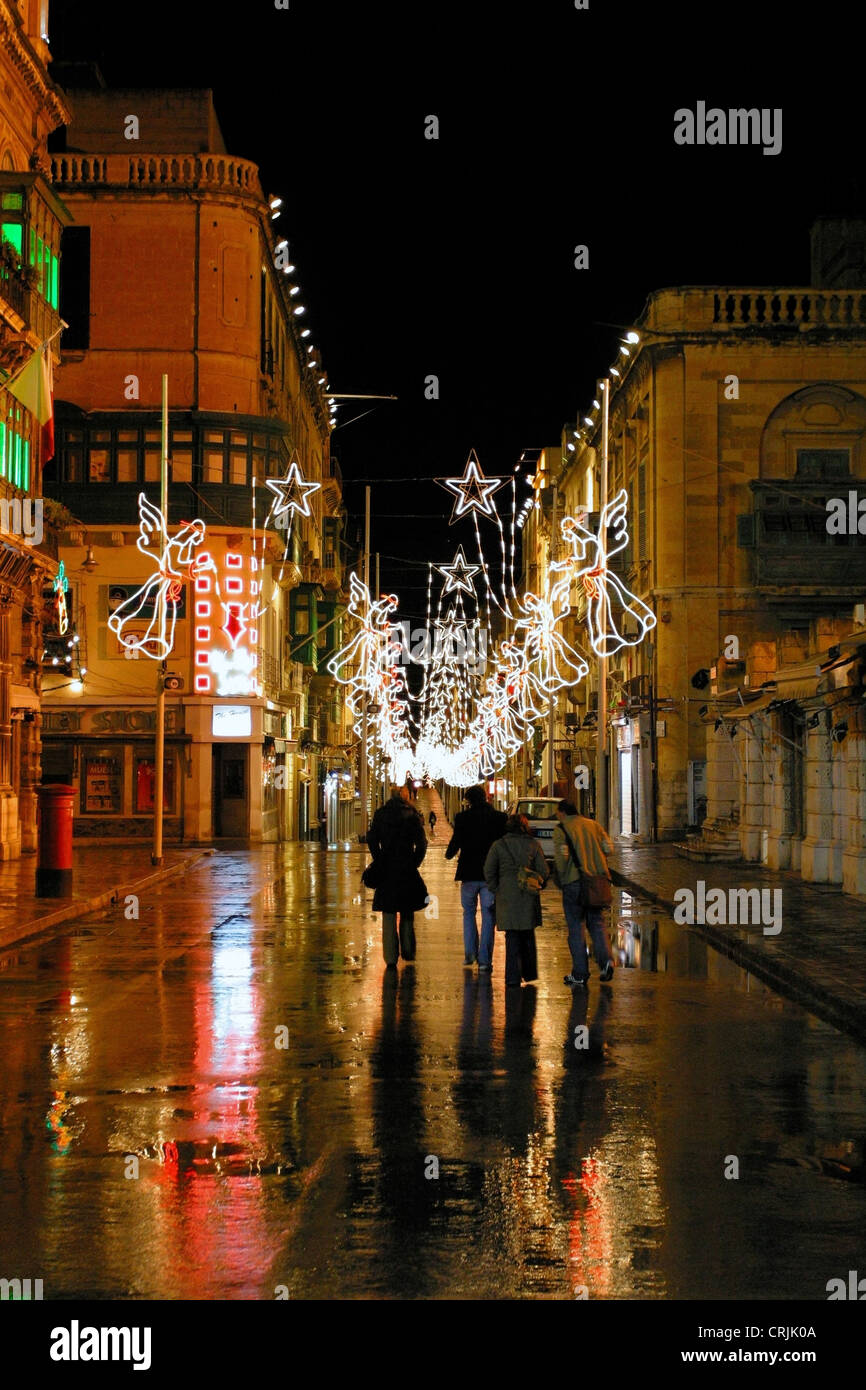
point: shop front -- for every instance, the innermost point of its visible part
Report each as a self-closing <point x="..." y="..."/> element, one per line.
<point x="109" y="756"/>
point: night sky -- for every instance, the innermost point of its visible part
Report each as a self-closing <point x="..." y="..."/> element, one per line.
<point x="456" y="257"/>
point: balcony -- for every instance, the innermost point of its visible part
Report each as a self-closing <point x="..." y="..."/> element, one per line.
<point x="157" y="173"/>
<point x="768" y="309"/>
<point x="32" y="217"/>
<point x="792" y="548"/>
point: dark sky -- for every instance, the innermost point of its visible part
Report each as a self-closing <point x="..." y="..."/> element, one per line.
<point x="455" y="257"/>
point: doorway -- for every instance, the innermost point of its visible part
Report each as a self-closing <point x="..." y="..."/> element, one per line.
<point x="230" y="791"/>
<point x="625" y="792"/>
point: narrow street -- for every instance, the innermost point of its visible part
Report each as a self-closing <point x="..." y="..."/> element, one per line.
<point x="311" y="1168"/>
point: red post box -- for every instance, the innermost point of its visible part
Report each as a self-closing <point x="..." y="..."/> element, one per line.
<point x="54" y="868"/>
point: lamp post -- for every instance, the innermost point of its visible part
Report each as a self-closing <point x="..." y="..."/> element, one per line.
<point x="362" y="757"/>
<point x="550" y="762"/>
<point x="158" y="793"/>
<point x="601" y="757"/>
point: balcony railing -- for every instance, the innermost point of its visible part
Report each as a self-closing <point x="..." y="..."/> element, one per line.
<point x="767" y="308"/>
<point x="216" y="172"/>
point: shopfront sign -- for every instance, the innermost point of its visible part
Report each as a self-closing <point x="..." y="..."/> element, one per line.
<point x="108" y="721"/>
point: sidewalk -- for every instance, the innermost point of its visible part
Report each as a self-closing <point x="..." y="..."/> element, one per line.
<point x="819" y="956"/>
<point x="101" y="874"/>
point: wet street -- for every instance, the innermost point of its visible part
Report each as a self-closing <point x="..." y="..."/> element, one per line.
<point x="230" y="1098"/>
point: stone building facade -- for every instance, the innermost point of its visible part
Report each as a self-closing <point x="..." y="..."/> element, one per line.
<point x="736" y="418"/>
<point x="31" y="221"/>
<point x="175" y="265"/>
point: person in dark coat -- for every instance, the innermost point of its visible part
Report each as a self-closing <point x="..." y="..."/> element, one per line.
<point x="398" y="845"/>
<point x="518" y="911"/>
<point x="474" y="832"/>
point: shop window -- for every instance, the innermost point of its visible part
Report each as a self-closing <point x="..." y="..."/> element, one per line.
<point x="152" y="465"/>
<point x="102" y="783"/>
<point x="145" y="785"/>
<point x="239" y="468"/>
<point x="269" y="770"/>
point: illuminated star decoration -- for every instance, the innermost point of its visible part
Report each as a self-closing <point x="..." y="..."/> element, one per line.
<point x="292" y="492"/>
<point x="61" y="586"/>
<point x="458" y="574"/>
<point x="473" y="491"/>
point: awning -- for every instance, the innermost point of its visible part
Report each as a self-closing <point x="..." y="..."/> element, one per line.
<point x="22" y="697"/>
<point x="744" y="711"/>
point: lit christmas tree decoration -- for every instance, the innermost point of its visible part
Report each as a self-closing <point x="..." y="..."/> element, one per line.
<point x="162" y="591"/>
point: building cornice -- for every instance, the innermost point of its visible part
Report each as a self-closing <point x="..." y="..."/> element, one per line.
<point x="23" y="57"/>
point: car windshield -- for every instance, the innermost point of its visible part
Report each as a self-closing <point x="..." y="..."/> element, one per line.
<point x="537" y="810"/>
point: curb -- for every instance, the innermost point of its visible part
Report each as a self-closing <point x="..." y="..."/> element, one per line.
<point x="80" y="907"/>
<point x="849" y="1018"/>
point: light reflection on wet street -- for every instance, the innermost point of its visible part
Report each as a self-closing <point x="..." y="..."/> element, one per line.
<point x="312" y="1166"/>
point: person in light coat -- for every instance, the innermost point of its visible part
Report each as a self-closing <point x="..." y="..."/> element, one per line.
<point x="518" y="912"/>
<point x="584" y="838"/>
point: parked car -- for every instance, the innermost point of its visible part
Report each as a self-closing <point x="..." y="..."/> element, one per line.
<point x="540" y="811"/>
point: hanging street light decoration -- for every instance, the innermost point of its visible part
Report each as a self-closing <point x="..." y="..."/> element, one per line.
<point x="608" y="598"/>
<point x="473" y="492"/>
<point x="292" y="492"/>
<point x="458" y="574"/>
<point x="469" y="717"/>
<point x="61" y="588"/>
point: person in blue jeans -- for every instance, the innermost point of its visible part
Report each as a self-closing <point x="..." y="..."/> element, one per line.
<point x="475" y="830"/>
<point x="581" y="843"/>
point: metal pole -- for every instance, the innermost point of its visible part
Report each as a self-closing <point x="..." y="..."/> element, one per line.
<point x="381" y="765"/>
<point x="362" y="755"/>
<point x="551" y="715"/>
<point x="156" y="856"/>
<point x="601" y="785"/>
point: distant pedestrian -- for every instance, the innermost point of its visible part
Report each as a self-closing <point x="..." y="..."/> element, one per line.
<point x="432" y="818"/>
<point x="475" y="830"/>
<point x="515" y="871"/>
<point x="580" y="849"/>
<point x="398" y="845"/>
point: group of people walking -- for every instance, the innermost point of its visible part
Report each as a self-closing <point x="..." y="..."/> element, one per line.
<point x="501" y="869"/>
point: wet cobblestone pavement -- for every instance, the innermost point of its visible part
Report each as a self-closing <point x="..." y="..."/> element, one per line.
<point x="422" y="1134"/>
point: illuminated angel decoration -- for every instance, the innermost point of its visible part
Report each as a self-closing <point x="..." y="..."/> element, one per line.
<point x="549" y="659"/>
<point x="61" y="589"/>
<point x="372" y="649"/>
<point x="162" y="591"/>
<point x="607" y="597"/>
<point x="519" y="683"/>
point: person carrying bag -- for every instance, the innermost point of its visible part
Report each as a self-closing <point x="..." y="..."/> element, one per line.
<point x="515" y="871"/>
<point x="580" y="849"/>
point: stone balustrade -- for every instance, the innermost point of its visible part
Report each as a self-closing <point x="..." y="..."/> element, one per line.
<point x="213" y="172"/>
<point x="771" y="309"/>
